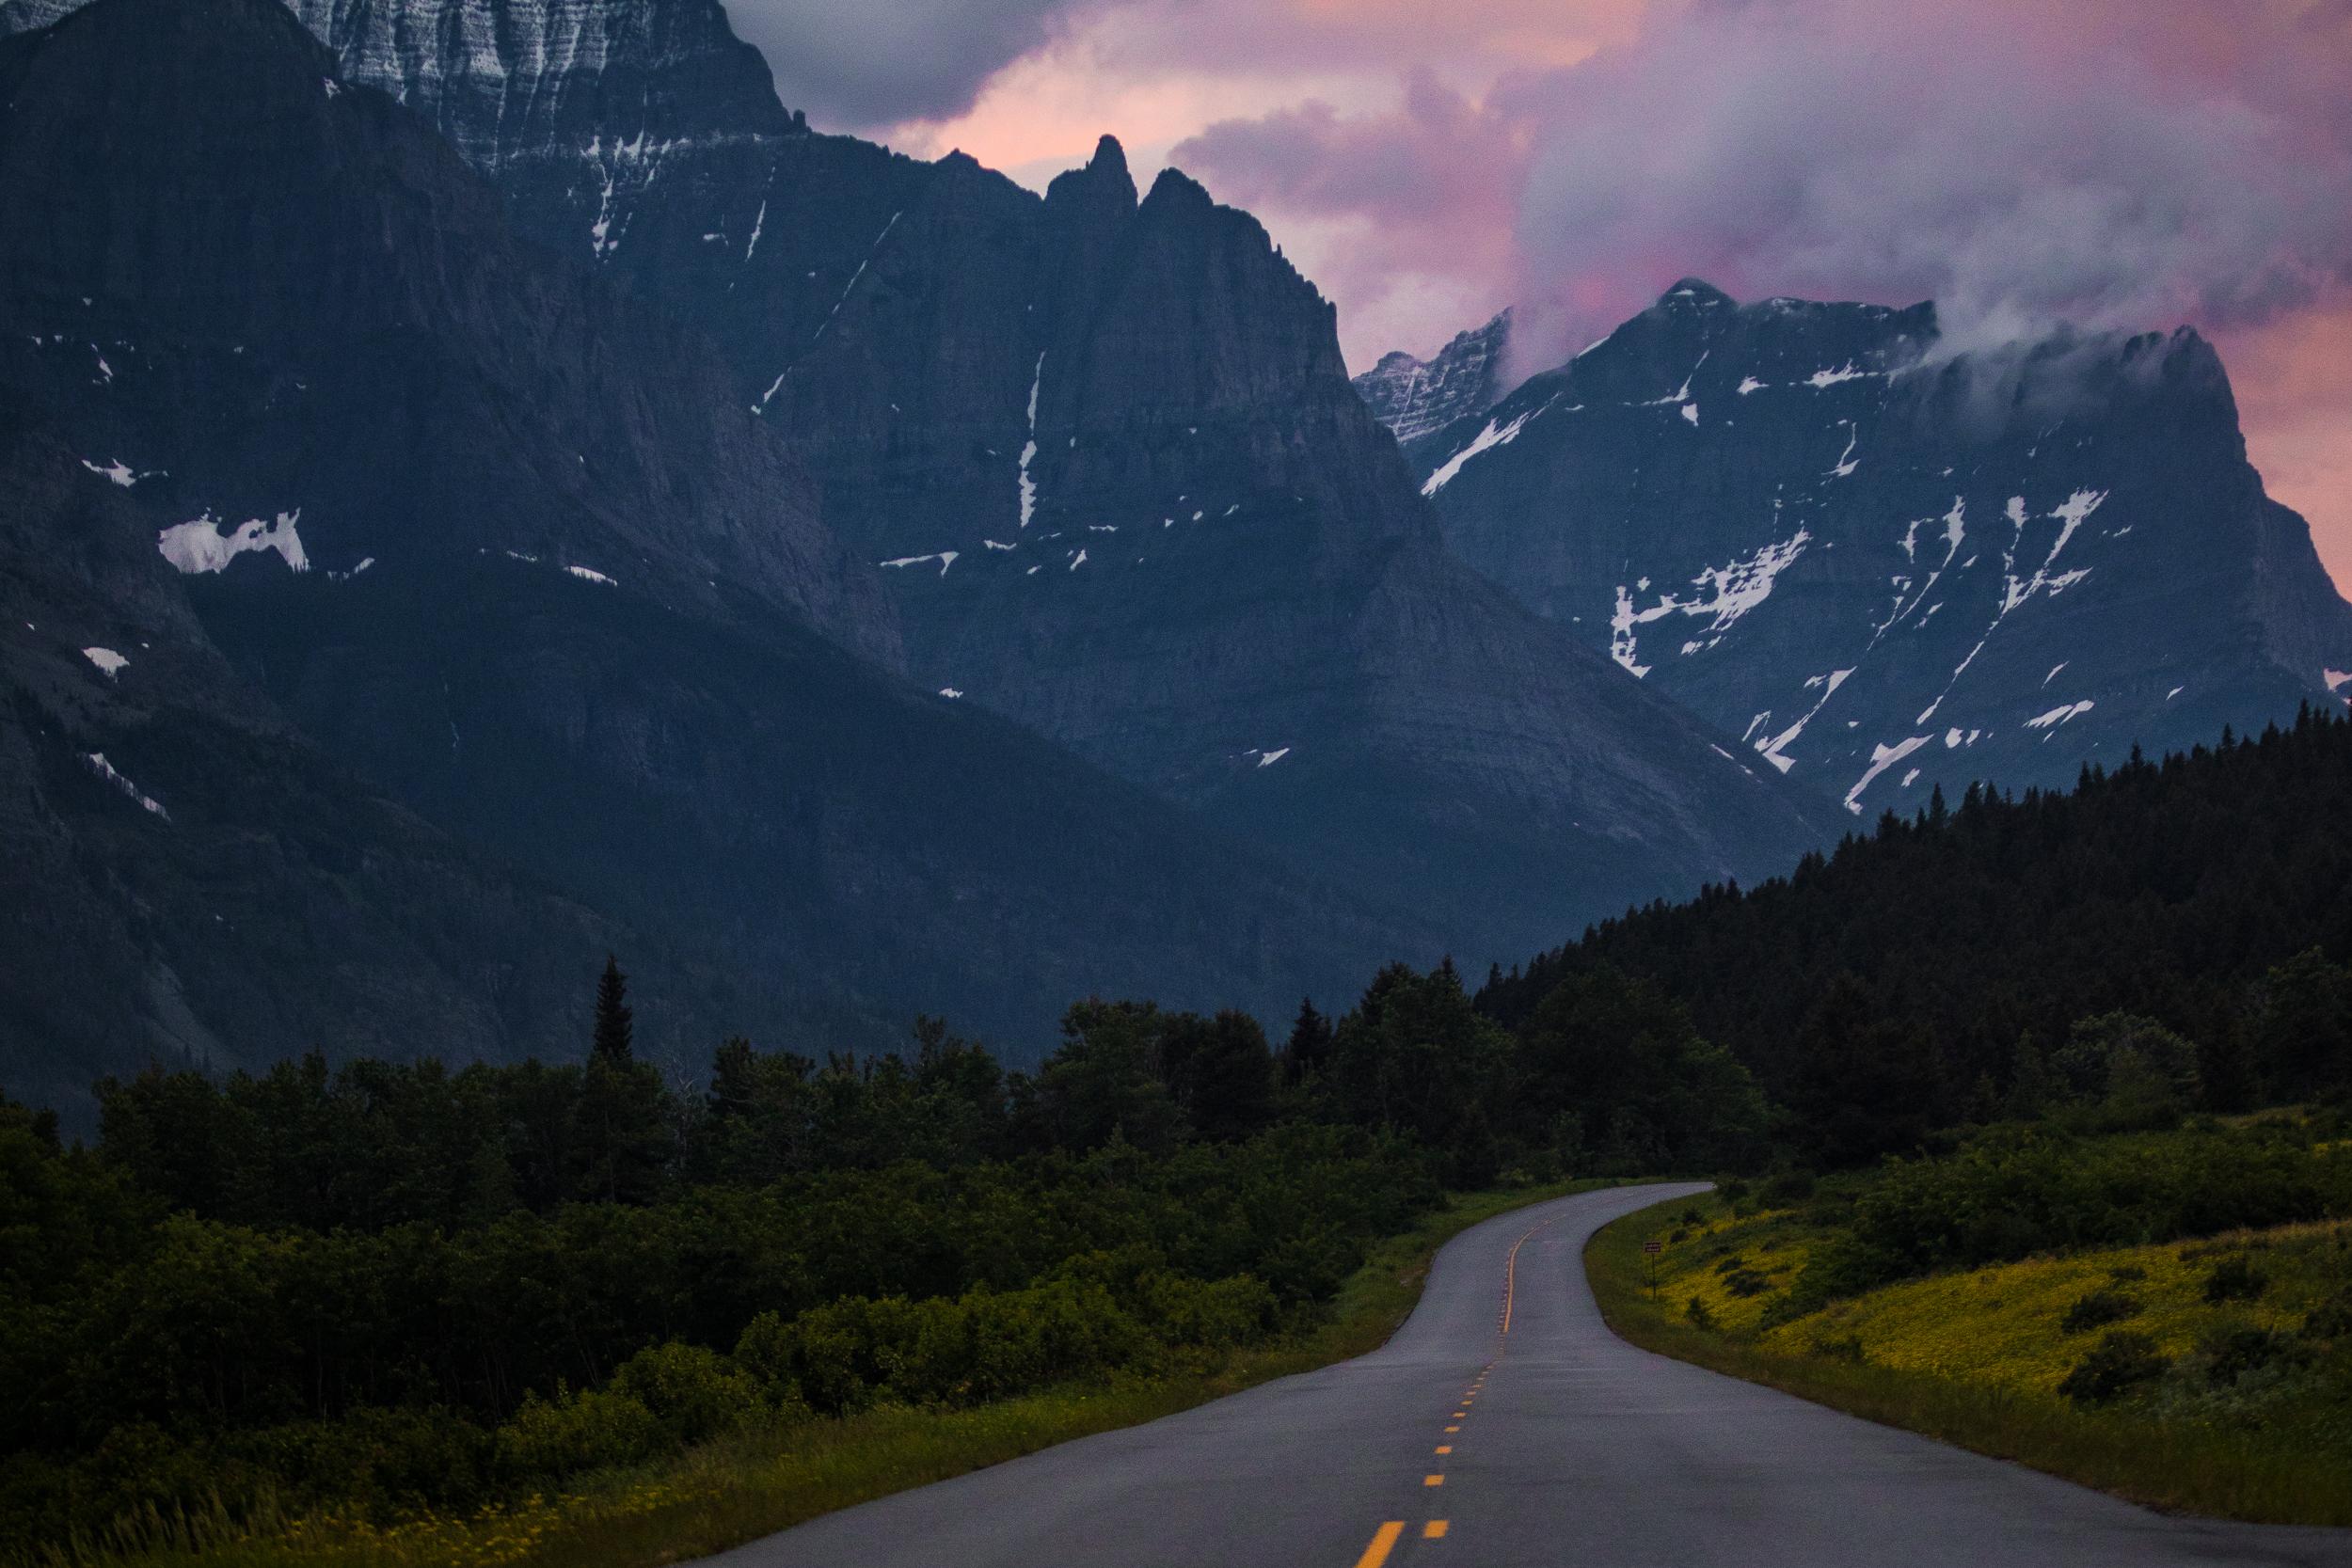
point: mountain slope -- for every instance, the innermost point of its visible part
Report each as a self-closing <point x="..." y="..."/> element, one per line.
<point x="1431" y="742"/>
<point x="1413" y="397"/>
<point x="1887" y="569"/>
<point x="506" y="544"/>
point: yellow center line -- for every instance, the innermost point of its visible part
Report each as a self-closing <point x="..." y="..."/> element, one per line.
<point x="1453" y="1428"/>
<point x="1511" y="1272"/>
<point x="1434" y="1530"/>
<point x="1383" y="1543"/>
<point x="1445" y="1447"/>
<point x="1432" y="1481"/>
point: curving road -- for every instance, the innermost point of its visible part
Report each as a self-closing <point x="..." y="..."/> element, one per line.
<point x="1552" y="1443"/>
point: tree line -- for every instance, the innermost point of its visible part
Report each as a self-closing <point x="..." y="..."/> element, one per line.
<point x="2188" y="921"/>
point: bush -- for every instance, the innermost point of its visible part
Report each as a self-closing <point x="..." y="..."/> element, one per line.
<point x="2236" y="1278"/>
<point x="574" y="1431"/>
<point x="1744" y="1283"/>
<point x="2098" y="1309"/>
<point x="2122" y="1361"/>
<point x="2331" y="1318"/>
<point x="1789" y="1189"/>
<point x="2232" y="1352"/>
<point x="695" y="1393"/>
<point x="1698" y="1314"/>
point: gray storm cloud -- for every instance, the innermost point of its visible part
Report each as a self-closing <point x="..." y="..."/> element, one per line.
<point x="858" y="65"/>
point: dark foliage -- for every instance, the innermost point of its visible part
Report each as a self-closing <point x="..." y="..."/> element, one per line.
<point x="2168" y="936"/>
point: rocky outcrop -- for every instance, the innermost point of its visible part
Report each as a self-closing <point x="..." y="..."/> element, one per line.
<point x="1886" y="567"/>
<point x="1414" y="397"/>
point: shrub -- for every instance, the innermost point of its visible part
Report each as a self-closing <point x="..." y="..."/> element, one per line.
<point x="1698" y="1314"/>
<point x="2236" y="1278"/>
<point x="2233" y="1351"/>
<point x="1789" y="1189"/>
<point x="576" y="1431"/>
<point x="2098" y="1309"/>
<point x="695" y="1393"/>
<point x="2127" y="1273"/>
<point x="2331" y="1318"/>
<point x="1744" y="1283"/>
<point x="2122" y="1361"/>
<point x="1846" y="1348"/>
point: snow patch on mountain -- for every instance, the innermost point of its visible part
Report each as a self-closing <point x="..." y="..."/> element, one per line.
<point x="1881" y="758"/>
<point x="1485" y="440"/>
<point x="121" y="472"/>
<point x="2059" y="714"/>
<point x="107" y="660"/>
<point x="1774" y="749"/>
<point x="104" y="769"/>
<point x="1725" y="594"/>
<point x="945" y="557"/>
<point x="198" y="546"/>
<point x="1028" y="451"/>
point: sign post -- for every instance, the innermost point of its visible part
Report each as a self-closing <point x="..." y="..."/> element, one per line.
<point x="1650" y="1260"/>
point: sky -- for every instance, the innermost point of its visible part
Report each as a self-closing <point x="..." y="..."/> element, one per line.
<point x="2113" y="163"/>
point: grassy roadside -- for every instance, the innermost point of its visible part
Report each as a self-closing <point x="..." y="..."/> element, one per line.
<point x="2185" y="1467"/>
<point x="755" y="1483"/>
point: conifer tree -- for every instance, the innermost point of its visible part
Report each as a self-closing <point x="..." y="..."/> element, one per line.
<point x="1309" y="1048"/>
<point x="613" y="1028"/>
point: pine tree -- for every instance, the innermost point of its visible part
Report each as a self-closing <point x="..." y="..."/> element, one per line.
<point x="614" y="1029"/>
<point x="1309" y="1047"/>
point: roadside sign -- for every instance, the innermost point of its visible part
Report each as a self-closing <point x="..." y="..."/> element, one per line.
<point x="1653" y="1246"/>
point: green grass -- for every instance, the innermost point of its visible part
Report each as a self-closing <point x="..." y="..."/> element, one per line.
<point x="2194" y="1467"/>
<point x="754" y="1482"/>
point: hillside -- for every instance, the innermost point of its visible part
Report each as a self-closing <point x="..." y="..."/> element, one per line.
<point x="1912" y="977"/>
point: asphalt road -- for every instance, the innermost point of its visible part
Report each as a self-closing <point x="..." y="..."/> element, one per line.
<point x="1554" y="1443"/>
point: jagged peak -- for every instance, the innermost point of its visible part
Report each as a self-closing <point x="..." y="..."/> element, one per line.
<point x="1175" y="188"/>
<point x="1102" y="181"/>
<point x="1694" y="294"/>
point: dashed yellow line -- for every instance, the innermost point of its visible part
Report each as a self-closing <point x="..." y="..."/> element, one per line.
<point x="1432" y="1481"/>
<point x="1383" y="1543"/>
<point x="1434" y="1530"/>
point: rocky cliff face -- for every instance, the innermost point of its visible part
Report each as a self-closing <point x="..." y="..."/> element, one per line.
<point x="423" y="506"/>
<point x="1414" y="397"/>
<point x="1107" y="454"/>
<point x="1106" y="457"/>
<point x="1887" y="569"/>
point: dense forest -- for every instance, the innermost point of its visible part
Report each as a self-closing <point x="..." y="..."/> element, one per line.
<point x="392" y="1286"/>
<point x="1981" y="960"/>
<point x="379" y="1288"/>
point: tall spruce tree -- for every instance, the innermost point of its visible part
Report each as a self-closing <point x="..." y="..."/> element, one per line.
<point x="1308" y="1050"/>
<point x="614" y="1028"/>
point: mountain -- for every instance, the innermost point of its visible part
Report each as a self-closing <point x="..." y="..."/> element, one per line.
<point x="1886" y="567"/>
<point x="1414" y="397"/>
<point x="467" y="606"/>
<point x="1301" y="661"/>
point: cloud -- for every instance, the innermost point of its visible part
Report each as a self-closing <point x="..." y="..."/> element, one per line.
<point x="2019" y="172"/>
<point x="860" y="65"/>
<point x="2112" y="162"/>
